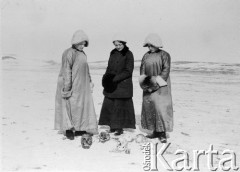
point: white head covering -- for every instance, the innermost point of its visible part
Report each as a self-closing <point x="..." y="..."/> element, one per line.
<point x="153" y="39"/>
<point x="119" y="37"/>
<point x="79" y="36"/>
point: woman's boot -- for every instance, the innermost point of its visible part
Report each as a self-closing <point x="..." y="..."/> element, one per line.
<point x="163" y="137"/>
<point x="80" y="133"/>
<point x="70" y="134"/>
<point x="118" y="132"/>
<point x="112" y="130"/>
<point x="153" y="135"/>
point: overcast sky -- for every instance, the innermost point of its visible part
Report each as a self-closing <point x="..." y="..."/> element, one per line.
<point x="191" y="30"/>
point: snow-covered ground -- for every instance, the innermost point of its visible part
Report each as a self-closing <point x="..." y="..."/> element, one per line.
<point x="206" y="99"/>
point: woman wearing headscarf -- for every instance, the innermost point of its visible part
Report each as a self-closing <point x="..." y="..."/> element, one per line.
<point x="74" y="107"/>
<point x="117" y="110"/>
<point x="157" y="110"/>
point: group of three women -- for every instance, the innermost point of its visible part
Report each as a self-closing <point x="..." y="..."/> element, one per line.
<point x="74" y="107"/>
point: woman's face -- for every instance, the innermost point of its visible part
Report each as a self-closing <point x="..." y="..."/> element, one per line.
<point x="80" y="45"/>
<point x="152" y="48"/>
<point x="118" y="45"/>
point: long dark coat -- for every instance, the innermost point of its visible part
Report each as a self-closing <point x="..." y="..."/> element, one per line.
<point x="121" y="65"/>
<point x="118" y="110"/>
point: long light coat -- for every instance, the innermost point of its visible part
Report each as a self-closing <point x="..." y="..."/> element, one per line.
<point x="74" y="107"/>
<point x="157" y="110"/>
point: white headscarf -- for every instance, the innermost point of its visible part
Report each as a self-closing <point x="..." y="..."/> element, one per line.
<point x="119" y="37"/>
<point x="80" y="36"/>
<point x="153" y="39"/>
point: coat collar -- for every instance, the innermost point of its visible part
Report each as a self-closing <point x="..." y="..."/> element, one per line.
<point x="159" y="50"/>
<point x="73" y="47"/>
<point x="123" y="52"/>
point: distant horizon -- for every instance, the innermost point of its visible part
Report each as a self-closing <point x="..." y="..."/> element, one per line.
<point x="4" y="57"/>
<point x="198" y="30"/>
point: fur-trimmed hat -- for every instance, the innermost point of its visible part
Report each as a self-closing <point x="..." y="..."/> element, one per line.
<point x="80" y="36"/>
<point x="153" y="39"/>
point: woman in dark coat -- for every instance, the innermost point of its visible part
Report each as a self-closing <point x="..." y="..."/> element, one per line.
<point x="157" y="110"/>
<point x="117" y="110"/>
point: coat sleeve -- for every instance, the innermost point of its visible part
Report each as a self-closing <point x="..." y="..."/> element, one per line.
<point x="67" y="62"/>
<point x="106" y="72"/>
<point x="128" y="69"/>
<point x="89" y="75"/>
<point x="166" y="60"/>
<point x="142" y="66"/>
<point x="107" y="69"/>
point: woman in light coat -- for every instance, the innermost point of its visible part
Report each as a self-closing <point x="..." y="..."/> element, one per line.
<point x="74" y="107"/>
<point x="117" y="110"/>
<point x="157" y="110"/>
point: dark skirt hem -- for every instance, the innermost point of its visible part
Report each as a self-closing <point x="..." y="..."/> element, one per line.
<point x="117" y="113"/>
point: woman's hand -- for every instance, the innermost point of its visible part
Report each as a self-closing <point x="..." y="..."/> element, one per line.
<point x="153" y="80"/>
<point x="66" y="94"/>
